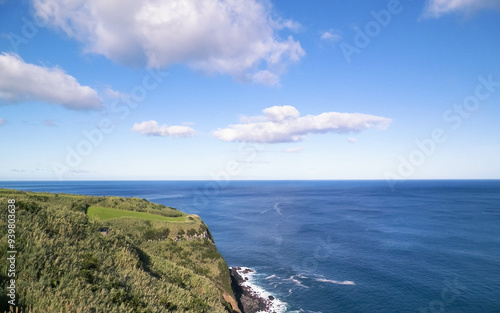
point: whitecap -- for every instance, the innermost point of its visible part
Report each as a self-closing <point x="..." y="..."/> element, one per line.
<point x="336" y="282"/>
<point x="296" y="281"/>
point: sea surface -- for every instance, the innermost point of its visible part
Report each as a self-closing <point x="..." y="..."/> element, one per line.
<point x="343" y="246"/>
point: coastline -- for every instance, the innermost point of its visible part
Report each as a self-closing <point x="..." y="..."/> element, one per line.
<point x="251" y="298"/>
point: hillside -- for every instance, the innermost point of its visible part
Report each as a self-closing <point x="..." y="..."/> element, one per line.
<point x="110" y="254"/>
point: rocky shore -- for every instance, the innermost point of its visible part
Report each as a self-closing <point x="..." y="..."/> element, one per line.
<point x="249" y="300"/>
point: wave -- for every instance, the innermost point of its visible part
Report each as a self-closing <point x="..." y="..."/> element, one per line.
<point x="336" y="282"/>
<point x="272" y="276"/>
<point x="275" y="208"/>
<point x="296" y="281"/>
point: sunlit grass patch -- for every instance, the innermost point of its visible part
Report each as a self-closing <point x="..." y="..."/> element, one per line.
<point x="109" y="213"/>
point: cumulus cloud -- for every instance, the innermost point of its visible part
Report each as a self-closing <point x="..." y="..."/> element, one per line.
<point x="234" y="37"/>
<point x="284" y="124"/>
<point x="437" y="8"/>
<point x="352" y="140"/>
<point x="151" y="128"/>
<point x="21" y="82"/>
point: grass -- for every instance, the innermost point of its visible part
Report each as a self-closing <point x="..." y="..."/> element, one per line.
<point x="150" y="261"/>
<point x="109" y="213"/>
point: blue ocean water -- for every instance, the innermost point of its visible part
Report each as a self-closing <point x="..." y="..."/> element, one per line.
<point x="344" y="246"/>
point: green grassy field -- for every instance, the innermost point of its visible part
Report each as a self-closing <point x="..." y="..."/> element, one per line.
<point x="109" y="213"/>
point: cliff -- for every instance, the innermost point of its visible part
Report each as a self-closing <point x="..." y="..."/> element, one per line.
<point x="249" y="301"/>
<point x="110" y="254"/>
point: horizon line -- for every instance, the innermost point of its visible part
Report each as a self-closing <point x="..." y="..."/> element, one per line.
<point x="209" y="180"/>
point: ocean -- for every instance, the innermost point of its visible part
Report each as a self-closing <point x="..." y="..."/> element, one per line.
<point x="343" y="246"/>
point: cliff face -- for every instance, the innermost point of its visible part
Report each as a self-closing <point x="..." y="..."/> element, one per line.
<point x="157" y="259"/>
<point x="248" y="300"/>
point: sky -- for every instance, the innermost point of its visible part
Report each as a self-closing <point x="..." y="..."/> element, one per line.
<point x="249" y="89"/>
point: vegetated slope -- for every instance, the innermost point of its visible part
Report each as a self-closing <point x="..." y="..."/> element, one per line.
<point x="143" y="264"/>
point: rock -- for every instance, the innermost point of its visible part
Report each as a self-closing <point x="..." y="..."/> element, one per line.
<point x="247" y="301"/>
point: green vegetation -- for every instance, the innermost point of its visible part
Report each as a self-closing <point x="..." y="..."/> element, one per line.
<point x="153" y="259"/>
<point x="109" y="213"/>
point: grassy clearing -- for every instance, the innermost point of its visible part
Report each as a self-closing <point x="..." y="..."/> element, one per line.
<point x="109" y="213"/>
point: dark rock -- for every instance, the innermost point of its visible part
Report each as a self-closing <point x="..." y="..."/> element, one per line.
<point x="248" y="302"/>
<point x="271" y="298"/>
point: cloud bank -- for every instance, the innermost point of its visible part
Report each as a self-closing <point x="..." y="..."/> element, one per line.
<point x="22" y="82"/>
<point x="284" y="124"/>
<point x="437" y="8"/>
<point x="235" y="37"/>
<point x="151" y="128"/>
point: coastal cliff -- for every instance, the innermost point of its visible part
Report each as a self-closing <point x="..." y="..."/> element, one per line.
<point x="110" y="254"/>
<point x="249" y="301"/>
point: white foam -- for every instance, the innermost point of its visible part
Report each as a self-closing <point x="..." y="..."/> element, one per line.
<point x="276" y="306"/>
<point x="296" y="281"/>
<point x="272" y="276"/>
<point x="277" y="208"/>
<point x="337" y="282"/>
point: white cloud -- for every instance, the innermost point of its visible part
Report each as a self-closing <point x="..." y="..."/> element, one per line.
<point x="266" y="78"/>
<point x="152" y="128"/>
<point x="2" y="121"/>
<point x="284" y="124"/>
<point x="234" y="37"/>
<point x="21" y="82"/>
<point x="113" y="94"/>
<point x="436" y="8"/>
<point x="294" y="150"/>
<point x="331" y="35"/>
<point x="351" y="140"/>
<point x="281" y="113"/>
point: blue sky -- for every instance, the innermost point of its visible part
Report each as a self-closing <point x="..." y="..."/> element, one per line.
<point x="249" y="89"/>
